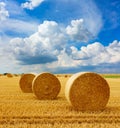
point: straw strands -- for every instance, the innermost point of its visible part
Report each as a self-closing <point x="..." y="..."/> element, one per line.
<point x="87" y="91"/>
<point x="46" y="86"/>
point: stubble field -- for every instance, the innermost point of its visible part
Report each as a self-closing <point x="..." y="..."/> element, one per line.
<point x="24" y="110"/>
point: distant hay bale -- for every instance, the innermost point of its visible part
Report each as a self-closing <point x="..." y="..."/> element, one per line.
<point x="26" y="82"/>
<point x="87" y="91"/>
<point x="66" y="76"/>
<point x="46" y="86"/>
<point x="9" y="75"/>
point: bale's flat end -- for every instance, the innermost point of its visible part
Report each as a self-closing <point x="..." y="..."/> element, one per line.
<point x="87" y="91"/>
<point x="46" y="86"/>
<point x="26" y="82"/>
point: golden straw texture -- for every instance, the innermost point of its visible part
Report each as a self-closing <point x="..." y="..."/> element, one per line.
<point x="26" y="82"/>
<point x="46" y="86"/>
<point x="87" y="91"/>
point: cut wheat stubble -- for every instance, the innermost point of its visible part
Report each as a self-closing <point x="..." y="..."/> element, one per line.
<point x="26" y="82"/>
<point x="87" y="91"/>
<point x="46" y="86"/>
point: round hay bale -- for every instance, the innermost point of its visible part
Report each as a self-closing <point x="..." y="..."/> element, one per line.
<point x="26" y="82"/>
<point x="87" y="91"/>
<point x="66" y="76"/>
<point x="9" y="75"/>
<point x="46" y="86"/>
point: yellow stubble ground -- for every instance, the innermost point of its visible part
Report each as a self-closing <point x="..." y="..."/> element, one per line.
<point x="24" y="110"/>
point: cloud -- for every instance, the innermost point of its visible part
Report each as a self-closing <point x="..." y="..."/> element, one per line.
<point x="103" y="68"/>
<point x="4" y="14"/>
<point x="94" y="57"/>
<point x="114" y="51"/>
<point x="96" y="53"/>
<point x="52" y="34"/>
<point x="81" y="9"/>
<point x="17" y="27"/>
<point x="92" y="16"/>
<point x="41" y="47"/>
<point x="15" y="22"/>
<point x="12" y="7"/>
<point x="78" y="32"/>
<point x="51" y="44"/>
<point x="31" y="4"/>
<point x="55" y="46"/>
<point x="36" y="58"/>
<point x="50" y="39"/>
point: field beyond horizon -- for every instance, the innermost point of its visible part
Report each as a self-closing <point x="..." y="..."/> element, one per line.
<point x="24" y="110"/>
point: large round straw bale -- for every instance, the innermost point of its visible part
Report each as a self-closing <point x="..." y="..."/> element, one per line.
<point x="26" y="82"/>
<point x="46" y="86"/>
<point x="87" y="91"/>
<point x="9" y="75"/>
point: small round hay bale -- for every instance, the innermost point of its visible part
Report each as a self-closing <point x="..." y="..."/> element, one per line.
<point x="9" y="75"/>
<point x="26" y="82"/>
<point x="66" y="76"/>
<point x="87" y="91"/>
<point x="46" y="86"/>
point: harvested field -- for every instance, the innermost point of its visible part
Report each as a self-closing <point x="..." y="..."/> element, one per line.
<point x="24" y="110"/>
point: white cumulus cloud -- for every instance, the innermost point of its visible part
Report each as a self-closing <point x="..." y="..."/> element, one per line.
<point x="31" y="4"/>
<point x="93" y="57"/>
<point x="51" y="43"/>
<point x="114" y="51"/>
<point x="46" y="44"/>
<point x="49" y="48"/>
<point x="42" y="46"/>
<point x="96" y="53"/>
<point x="78" y="32"/>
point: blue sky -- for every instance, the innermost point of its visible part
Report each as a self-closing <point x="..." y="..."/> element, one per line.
<point x="60" y="36"/>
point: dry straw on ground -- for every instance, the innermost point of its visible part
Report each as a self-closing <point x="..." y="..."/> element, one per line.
<point x="21" y="110"/>
<point x="87" y="91"/>
<point x="46" y="86"/>
<point x="26" y="82"/>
